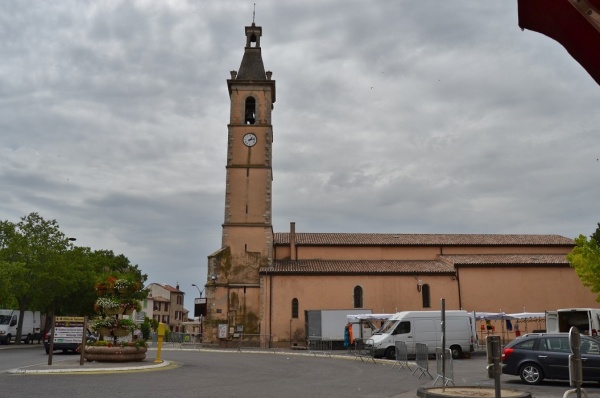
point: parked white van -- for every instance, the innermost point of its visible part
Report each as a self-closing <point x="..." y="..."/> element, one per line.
<point x="8" y="325"/>
<point x="425" y="327"/>
<point x="587" y="320"/>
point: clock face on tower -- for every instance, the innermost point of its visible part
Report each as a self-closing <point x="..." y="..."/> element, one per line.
<point x="249" y="140"/>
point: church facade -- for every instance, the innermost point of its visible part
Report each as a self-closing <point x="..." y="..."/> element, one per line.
<point x="261" y="283"/>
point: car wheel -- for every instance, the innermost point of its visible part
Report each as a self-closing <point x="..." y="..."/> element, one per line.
<point x="27" y="339"/>
<point x="390" y="353"/>
<point x="456" y="352"/>
<point x="531" y="373"/>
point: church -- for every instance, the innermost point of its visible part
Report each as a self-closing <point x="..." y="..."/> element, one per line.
<point x="261" y="282"/>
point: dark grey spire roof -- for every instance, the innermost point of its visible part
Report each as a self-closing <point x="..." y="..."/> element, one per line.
<point x="252" y="67"/>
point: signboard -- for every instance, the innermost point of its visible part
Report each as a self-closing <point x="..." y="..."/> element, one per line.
<point x="200" y="307"/>
<point x="223" y="331"/>
<point x="68" y="329"/>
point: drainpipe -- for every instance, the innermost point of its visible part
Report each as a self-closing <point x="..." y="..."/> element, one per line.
<point x="292" y="241"/>
<point x="458" y="285"/>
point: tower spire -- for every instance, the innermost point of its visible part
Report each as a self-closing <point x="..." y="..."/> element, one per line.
<point x="253" y="13"/>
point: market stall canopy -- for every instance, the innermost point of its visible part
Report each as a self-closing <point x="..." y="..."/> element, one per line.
<point x="368" y="317"/>
<point x="575" y="24"/>
<point x="528" y="315"/>
<point x="491" y="316"/>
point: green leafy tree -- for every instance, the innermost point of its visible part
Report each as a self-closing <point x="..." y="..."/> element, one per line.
<point x="40" y="269"/>
<point x="585" y="258"/>
<point x="32" y="252"/>
<point x="596" y="235"/>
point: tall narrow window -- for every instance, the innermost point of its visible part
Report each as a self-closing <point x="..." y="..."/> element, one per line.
<point x="358" y="297"/>
<point x="426" y="296"/>
<point x="250" y="114"/>
<point x="295" y="308"/>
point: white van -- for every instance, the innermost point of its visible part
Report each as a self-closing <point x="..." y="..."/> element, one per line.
<point x="425" y="327"/>
<point x="8" y="325"/>
<point x="587" y="320"/>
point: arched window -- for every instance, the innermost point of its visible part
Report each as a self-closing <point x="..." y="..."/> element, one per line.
<point x="358" y="297"/>
<point x="425" y="292"/>
<point x="295" y="308"/>
<point x="250" y="113"/>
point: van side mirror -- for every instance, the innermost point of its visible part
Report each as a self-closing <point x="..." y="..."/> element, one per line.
<point x="13" y="322"/>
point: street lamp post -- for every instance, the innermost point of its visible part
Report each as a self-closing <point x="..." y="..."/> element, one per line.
<point x="199" y="297"/>
<point x="199" y="292"/>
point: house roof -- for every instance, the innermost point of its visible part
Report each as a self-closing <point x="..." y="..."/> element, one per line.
<point x="167" y="287"/>
<point x="507" y="260"/>
<point x="366" y="239"/>
<point x="161" y="299"/>
<point x="358" y="267"/>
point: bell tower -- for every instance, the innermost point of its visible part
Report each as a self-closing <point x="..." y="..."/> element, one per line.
<point x="233" y="287"/>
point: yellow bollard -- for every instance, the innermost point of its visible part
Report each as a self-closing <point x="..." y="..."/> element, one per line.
<point x="161" y="336"/>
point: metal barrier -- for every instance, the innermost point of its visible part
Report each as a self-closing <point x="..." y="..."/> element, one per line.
<point x="318" y="346"/>
<point x="250" y="341"/>
<point x="363" y="350"/>
<point x="401" y="355"/>
<point x="174" y="339"/>
<point x="446" y="372"/>
<point x="422" y="360"/>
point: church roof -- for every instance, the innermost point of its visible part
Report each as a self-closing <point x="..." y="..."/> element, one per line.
<point x="507" y="259"/>
<point x="444" y="265"/>
<point x="362" y="267"/>
<point x="366" y="239"/>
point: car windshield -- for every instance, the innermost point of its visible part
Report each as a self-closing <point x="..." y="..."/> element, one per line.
<point x="4" y="319"/>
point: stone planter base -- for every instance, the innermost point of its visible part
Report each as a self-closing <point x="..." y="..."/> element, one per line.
<point x="115" y="354"/>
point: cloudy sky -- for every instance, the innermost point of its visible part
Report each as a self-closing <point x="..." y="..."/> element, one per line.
<point x="428" y="116"/>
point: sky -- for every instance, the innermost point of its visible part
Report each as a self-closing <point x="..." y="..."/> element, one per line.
<point x="391" y="116"/>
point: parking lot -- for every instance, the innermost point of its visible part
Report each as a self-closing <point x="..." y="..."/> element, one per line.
<point x="252" y="373"/>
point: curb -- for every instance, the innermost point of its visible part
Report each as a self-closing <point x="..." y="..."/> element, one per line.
<point x="88" y="369"/>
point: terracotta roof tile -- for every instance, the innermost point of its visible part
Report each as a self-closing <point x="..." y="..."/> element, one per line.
<point x="363" y="239"/>
<point x="507" y="259"/>
<point x="161" y="299"/>
<point x="364" y="267"/>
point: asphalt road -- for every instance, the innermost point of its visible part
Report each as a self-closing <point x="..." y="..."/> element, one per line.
<point x="230" y="373"/>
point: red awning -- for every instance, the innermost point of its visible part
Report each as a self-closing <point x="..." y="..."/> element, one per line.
<point x="573" y="23"/>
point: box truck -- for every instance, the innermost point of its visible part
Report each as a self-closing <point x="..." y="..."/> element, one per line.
<point x="9" y="319"/>
<point x="328" y="325"/>
<point x="425" y="327"/>
<point x="587" y="320"/>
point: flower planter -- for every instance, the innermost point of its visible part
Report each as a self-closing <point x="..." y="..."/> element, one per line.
<point x="120" y="332"/>
<point x="117" y="332"/>
<point x="113" y="311"/>
<point x="104" y="331"/>
<point x="115" y="354"/>
<point x="128" y="311"/>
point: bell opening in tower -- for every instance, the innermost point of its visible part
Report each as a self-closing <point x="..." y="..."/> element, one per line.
<point x="250" y="117"/>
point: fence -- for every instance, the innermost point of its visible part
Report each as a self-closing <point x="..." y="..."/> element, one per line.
<point x="444" y="366"/>
<point x="317" y="345"/>
<point x="363" y="350"/>
<point x="250" y="341"/>
<point x="174" y="337"/>
<point x="401" y="355"/>
<point x="422" y="360"/>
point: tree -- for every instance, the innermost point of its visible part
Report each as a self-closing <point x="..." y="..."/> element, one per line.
<point x="596" y="235"/>
<point x="40" y="269"/>
<point x="32" y="252"/>
<point x="585" y="258"/>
